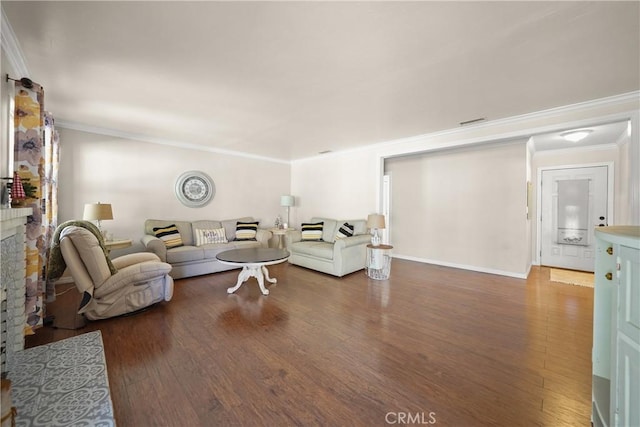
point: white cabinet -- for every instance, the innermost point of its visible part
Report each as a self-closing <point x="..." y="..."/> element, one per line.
<point x="616" y="327"/>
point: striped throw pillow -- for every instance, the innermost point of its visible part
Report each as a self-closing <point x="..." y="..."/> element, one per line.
<point x="246" y="230"/>
<point x="215" y="235"/>
<point x="169" y="235"/>
<point x="312" y="231"/>
<point x="345" y="230"/>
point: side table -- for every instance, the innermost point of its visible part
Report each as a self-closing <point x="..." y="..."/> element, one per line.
<point x="378" y="265"/>
<point x="280" y="232"/>
<point x="117" y="244"/>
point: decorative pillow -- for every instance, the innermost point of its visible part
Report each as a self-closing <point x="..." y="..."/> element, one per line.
<point x="246" y="230"/>
<point x="312" y="231"/>
<point x="345" y="230"/>
<point x="169" y="235"/>
<point x="215" y="235"/>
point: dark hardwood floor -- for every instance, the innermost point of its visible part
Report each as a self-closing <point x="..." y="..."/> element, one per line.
<point x="430" y="345"/>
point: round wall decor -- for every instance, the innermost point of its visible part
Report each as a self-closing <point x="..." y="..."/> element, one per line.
<point x="195" y="189"/>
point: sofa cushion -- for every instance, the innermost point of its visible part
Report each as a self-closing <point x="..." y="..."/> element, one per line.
<point x="206" y="236"/>
<point x="230" y="226"/>
<point x="317" y="249"/>
<point x="345" y="230"/>
<point x="185" y="254"/>
<point x="213" y="249"/>
<point x="169" y="235"/>
<point x="329" y="229"/>
<point x="311" y="231"/>
<point x="246" y="230"/>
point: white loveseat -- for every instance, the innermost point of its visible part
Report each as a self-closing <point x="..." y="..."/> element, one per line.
<point x="329" y="255"/>
<point x="190" y="260"/>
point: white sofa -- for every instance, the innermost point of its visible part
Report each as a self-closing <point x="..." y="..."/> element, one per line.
<point x="333" y="256"/>
<point x="191" y="260"/>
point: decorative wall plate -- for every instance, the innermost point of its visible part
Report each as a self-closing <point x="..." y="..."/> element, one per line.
<point x="195" y="189"/>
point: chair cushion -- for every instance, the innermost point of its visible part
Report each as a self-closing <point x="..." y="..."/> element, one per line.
<point x="90" y="252"/>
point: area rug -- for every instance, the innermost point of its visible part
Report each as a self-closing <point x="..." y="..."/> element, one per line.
<point x="64" y="383"/>
<point x="571" y="277"/>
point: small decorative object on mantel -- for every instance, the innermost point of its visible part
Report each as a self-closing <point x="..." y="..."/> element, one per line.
<point x="17" y="190"/>
<point x="195" y="189"/>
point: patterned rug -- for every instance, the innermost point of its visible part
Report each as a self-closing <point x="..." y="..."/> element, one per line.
<point x="64" y="383"/>
<point x="571" y="277"/>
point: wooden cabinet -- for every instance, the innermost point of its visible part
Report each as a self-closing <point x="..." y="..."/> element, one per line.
<point x="616" y="327"/>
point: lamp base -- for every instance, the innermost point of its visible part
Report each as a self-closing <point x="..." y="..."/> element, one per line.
<point x="375" y="239"/>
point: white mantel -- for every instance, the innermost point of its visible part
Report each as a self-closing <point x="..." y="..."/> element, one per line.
<point x="13" y="278"/>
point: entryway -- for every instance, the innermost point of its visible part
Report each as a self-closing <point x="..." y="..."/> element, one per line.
<point x="574" y="200"/>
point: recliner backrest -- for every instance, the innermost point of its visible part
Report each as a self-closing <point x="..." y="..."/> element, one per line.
<point x="88" y="250"/>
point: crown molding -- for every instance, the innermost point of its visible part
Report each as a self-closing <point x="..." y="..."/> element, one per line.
<point x="11" y="47"/>
<point x="153" y="140"/>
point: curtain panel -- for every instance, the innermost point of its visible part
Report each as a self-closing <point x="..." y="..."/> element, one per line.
<point x="36" y="154"/>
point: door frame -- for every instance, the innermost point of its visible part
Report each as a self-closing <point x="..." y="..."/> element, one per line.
<point x="610" y="197"/>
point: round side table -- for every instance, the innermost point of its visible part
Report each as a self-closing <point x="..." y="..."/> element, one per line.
<point x="379" y="261"/>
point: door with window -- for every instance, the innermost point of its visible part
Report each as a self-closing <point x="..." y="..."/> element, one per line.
<point x="574" y="201"/>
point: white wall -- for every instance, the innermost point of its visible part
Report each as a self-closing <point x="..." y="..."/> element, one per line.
<point x="462" y="207"/>
<point x="347" y="184"/>
<point x="138" y="179"/>
<point x="340" y="186"/>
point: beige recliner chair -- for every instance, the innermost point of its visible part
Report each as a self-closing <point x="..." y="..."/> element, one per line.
<point x="112" y="287"/>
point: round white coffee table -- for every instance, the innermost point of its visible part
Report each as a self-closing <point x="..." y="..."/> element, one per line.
<point x="254" y="263"/>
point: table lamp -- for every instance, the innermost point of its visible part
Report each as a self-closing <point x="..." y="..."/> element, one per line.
<point x="97" y="212"/>
<point x="287" y="201"/>
<point x="374" y="223"/>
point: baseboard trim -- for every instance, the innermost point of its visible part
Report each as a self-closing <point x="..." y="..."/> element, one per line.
<point x="464" y="267"/>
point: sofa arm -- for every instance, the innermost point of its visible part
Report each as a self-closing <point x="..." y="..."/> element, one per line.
<point x="360" y="239"/>
<point x="292" y="236"/>
<point x="263" y="236"/>
<point x="155" y="245"/>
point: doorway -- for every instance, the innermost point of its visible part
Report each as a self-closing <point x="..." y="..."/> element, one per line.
<point x="574" y="200"/>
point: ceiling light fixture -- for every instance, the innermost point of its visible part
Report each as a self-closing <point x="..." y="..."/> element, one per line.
<point x="576" y="135"/>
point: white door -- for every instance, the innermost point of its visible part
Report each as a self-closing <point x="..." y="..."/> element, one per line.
<point x="574" y="202"/>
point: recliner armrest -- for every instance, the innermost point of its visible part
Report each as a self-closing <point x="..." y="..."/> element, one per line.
<point x="135" y="258"/>
<point x="132" y="275"/>
<point x="155" y="245"/>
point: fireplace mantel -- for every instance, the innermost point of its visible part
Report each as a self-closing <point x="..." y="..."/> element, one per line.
<point x="13" y="277"/>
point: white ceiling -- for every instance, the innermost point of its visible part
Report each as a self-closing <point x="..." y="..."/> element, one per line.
<point x="287" y="80"/>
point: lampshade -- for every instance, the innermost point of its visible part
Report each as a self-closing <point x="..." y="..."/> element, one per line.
<point x="97" y="211"/>
<point x="375" y="221"/>
<point x="287" y="201"/>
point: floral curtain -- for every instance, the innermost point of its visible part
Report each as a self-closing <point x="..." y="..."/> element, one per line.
<point x="36" y="151"/>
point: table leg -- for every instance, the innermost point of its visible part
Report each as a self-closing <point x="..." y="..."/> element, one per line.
<point x="252" y="271"/>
